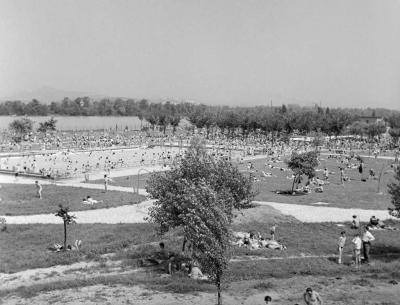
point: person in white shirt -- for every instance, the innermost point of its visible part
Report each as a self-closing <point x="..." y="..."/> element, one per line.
<point x="355" y="223"/>
<point x="107" y="180"/>
<point x="341" y="243"/>
<point x="366" y="240"/>
<point x="357" y="242"/>
<point x="326" y="174"/>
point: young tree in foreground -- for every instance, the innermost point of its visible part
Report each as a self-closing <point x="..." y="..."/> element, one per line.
<point x="206" y="225"/>
<point x="394" y="191"/>
<point x="67" y="219"/>
<point x="303" y="164"/>
<point x="199" y="194"/>
<point x="169" y="188"/>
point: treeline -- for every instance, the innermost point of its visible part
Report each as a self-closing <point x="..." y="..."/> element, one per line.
<point x="230" y="120"/>
<point x="85" y="106"/>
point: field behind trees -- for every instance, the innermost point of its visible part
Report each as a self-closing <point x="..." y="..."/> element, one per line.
<point x="80" y="122"/>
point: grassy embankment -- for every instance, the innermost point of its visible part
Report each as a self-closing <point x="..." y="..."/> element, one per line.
<point x="26" y="248"/>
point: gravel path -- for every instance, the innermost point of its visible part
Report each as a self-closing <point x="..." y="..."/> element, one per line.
<point x="306" y="213"/>
<point x="122" y="214"/>
<point x="136" y="214"/>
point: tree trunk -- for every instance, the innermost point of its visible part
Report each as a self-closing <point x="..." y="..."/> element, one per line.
<point x="294" y="181"/>
<point x="65" y="236"/>
<point x="219" y="293"/>
<point x="184" y="244"/>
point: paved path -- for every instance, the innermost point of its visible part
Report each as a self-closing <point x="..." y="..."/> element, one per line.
<point x="122" y="214"/>
<point x="101" y="187"/>
<point x="136" y="214"/>
<point x="306" y="213"/>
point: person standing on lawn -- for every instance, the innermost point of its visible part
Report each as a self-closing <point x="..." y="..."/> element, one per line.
<point x="341" y="243"/>
<point x="367" y="238"/>
<point x="342" y="176"/>
<point x="273" y="230"/>
<point x="357" y="243"/>
<point x="312" y="297"/>
<point x="106" y="181"/>
<point x="38" y="189"/>
<point x="361" y="169"/>
<point x="326" y="174"/>
<point x="355" y="223"/>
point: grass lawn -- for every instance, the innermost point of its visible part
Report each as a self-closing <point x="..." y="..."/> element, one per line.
<point x="354" y="194"/>
<point x="126" y="181"/>
<point x="238" y="271"/>
<point x="20" y="199"/>
<point x="25" y="246"/>
<point x="178" y="283"/>
<point x="318" y="239"/>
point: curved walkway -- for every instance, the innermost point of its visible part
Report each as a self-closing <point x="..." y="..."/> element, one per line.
<point x="122" y="214"/>
<point x="306" y="213"/>
<point x="137" y="213"/>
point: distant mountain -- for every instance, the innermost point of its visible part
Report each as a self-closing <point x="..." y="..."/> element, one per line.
<point x="46" y="95"/>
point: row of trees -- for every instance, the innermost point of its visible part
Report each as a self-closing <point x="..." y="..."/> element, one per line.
<point x="20" y="128"/>
<point x="228" y="119"/>
<point x="269" y="120"/>
<point x="85" y="106"/>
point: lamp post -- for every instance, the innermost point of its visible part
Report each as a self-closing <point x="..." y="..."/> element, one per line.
<point x="385" y="169"/>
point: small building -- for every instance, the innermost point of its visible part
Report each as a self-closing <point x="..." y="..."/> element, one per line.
<point x="370" y="119"/>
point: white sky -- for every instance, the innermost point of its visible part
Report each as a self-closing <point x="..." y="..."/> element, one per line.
<point x="340" y="52"/>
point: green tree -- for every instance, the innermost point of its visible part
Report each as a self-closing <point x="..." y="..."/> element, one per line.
<point x="20" y="128"/>
<point x="174" y="121"/>
<point x="303" y="164"/>
<point x="318" y="140"/>
<point x="394" y="191"/>
<point x="395" y="134"/>
<point x="46" y="126"/>
<point x="358" y="128"/>
<point x="169" y="188"/>
<point x="375" y="129"/>
<point x="206" y="225"/>
<point x="67" y="219"/>
<point x="200" y="194"/>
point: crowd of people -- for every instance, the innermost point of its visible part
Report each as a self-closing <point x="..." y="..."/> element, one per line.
<point x="55" y="154"/>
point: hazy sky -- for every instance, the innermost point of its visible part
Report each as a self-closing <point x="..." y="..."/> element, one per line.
<point x="339" y="52"/>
